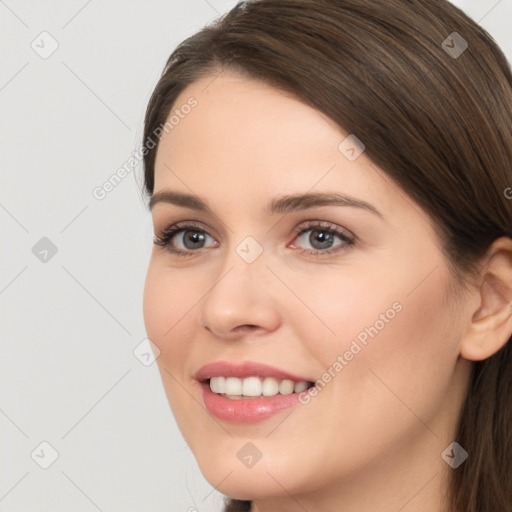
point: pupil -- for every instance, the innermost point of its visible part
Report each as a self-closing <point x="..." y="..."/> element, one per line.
<point x="194" y="237"/>
<point x="322" y="237"/>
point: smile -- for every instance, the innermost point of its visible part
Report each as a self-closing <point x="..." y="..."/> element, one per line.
<point x="252" y="387"/>
<point x="249" y="392"/>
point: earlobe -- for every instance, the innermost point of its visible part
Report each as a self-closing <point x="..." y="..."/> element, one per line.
<point x="491" y="322"/>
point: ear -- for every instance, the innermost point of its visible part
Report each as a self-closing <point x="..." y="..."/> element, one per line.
<point x="491" y="322"/>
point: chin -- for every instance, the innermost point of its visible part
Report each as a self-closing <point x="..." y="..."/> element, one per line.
<point x="268" y="477"/>
<point x="243" y="484"/>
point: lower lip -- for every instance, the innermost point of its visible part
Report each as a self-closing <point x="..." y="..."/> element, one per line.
<point x="249" y="410"/>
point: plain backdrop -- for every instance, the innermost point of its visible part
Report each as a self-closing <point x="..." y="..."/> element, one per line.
<point x="78" y="396"/>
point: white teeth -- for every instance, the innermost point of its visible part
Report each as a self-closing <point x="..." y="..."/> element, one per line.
<point x="286" y="387"/>
<point x="218" y="384"/>
<point x="251" y="386"/>
<point x="233" y="387"/>
<point x="270" y="386"/>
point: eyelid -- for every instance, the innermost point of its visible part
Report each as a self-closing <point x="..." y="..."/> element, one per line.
<point x="329" y="226"/>
<point x="186" y="225"/>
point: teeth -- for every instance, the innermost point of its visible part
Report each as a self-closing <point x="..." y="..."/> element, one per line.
<point x="233" y="387"/>
<point x="218" y="384"/>
<point x="251" y="386"/>
<point x="300" y="386"/>
<point x="270" y="387"/>
<point x="286" y="387"/>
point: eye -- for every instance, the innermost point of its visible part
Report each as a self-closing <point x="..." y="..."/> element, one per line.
<point x="322" y="237"/>
<point x="189" y="238"/>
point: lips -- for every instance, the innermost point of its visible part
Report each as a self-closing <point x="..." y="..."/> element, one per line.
<point x="240" y="409"/>
<point x="246" y="369"/>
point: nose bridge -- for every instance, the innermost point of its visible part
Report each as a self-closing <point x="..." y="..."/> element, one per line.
<point x="246" y="259"/>
<point x="241" y="274"/>
<point x="239" y="294"/>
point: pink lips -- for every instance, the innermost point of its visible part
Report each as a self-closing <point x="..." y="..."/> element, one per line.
<point x="245" y="410"/>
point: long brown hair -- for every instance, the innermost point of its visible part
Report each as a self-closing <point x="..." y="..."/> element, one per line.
<point x="434" y="110"/>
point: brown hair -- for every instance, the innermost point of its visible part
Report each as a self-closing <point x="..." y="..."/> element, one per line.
<point x="435" y="116"/>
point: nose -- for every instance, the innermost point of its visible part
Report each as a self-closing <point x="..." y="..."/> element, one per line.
<point x="240" y="299"/>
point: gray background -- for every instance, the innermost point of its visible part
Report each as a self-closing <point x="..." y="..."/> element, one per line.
<point x="72" y="320"/>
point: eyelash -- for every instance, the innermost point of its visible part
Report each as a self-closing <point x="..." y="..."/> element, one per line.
<point x="167" y="235"/>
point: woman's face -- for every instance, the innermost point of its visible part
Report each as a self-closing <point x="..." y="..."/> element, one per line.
<point x="350" y="296"/>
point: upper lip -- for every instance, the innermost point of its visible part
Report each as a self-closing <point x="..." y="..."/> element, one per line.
<point x="244" y="369"/>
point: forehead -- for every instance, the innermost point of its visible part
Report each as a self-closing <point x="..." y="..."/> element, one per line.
<point x="246" y="137"/>
<point x="241" y="112"/>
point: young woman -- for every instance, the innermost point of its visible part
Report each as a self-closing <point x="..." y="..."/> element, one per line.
<point x="331" y="281"/>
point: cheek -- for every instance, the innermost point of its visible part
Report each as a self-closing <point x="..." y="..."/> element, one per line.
<point x="167" y="298"/>
<point x="168" y="301"/>
<point x="168" y="305"/>
<point x="406" y="356"/>
<point x="390" y="346"/>
<point x="379" y="317"/>
<point x="155" y="303"/>
<point x="352" y="310"/>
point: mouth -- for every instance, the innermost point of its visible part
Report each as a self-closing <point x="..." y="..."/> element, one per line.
<point x="235" y="388"/>
<point x="249" y="392"/>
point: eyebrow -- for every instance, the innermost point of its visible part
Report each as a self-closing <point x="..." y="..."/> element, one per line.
<point x="284" y="204"/>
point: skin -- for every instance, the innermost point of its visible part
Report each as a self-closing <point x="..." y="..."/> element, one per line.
<point x="372" y="438"/>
